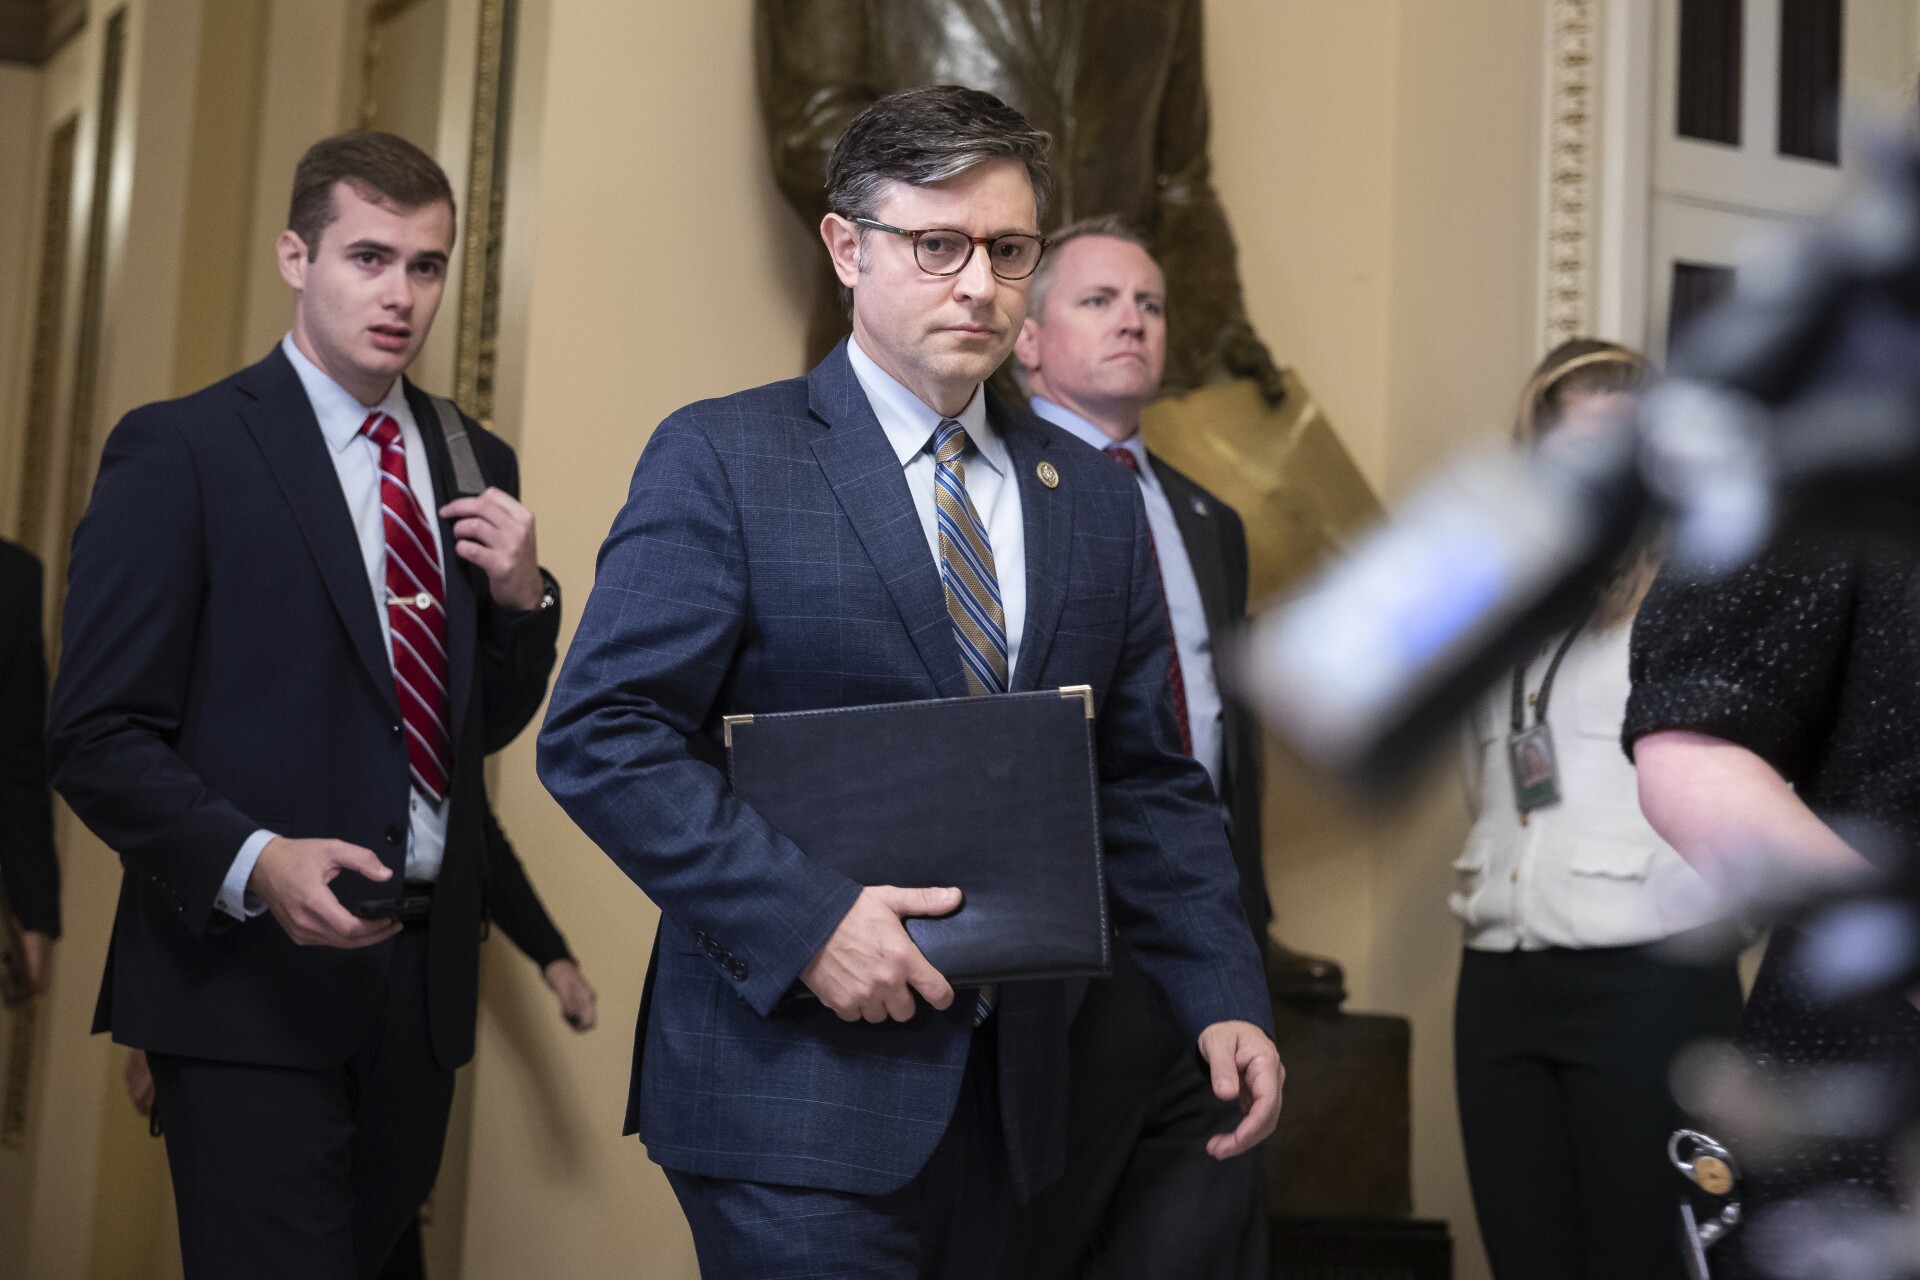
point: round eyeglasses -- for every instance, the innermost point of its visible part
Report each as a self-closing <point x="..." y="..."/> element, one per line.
<point x="943" y="251"/>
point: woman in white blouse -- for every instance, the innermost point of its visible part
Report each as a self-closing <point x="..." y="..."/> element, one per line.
<point x="1569" y="1008"/>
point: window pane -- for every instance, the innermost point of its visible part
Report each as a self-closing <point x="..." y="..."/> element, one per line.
<point x="1696" y="287"/>
<point x="1810" y="33"/>
<point x="1711" y="33"/>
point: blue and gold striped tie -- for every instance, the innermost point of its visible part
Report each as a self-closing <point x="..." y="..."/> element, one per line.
<point x="966" y="566"/>
<point x="973" y="593"/>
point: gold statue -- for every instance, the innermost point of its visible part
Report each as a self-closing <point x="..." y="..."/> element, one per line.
<point x="1119" y="86"/>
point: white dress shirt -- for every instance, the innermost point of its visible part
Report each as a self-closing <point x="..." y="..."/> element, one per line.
<point x="991" y="485"/>
<point x="1188" y="613"/>
<point x="356" y="460"/>
<point x="1586" y="872"/>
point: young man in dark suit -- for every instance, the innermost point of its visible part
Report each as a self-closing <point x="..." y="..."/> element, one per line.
<point x="288" y="647"/>
<point x="884" y="530"/>
<point x="29" y="870"/>
<point x="1138" y="1199"/>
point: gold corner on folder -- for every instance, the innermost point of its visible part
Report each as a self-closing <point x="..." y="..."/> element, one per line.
<point x="1084" y="692"/>
<point x="726" y="727"/>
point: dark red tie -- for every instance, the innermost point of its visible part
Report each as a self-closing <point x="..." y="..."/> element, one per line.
<point x="1176" y="683"/>
<point x="416" y="613"/>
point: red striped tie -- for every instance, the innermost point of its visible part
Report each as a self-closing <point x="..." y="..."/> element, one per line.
<point x="416" y="612"/>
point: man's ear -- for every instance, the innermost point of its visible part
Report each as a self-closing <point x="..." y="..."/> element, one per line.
<point x="843" y="246"/>
<point x="291" y="253"/>
<point x="1026" y="347"/>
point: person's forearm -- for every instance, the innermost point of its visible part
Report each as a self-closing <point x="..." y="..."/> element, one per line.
<point x="1734" y="818"/>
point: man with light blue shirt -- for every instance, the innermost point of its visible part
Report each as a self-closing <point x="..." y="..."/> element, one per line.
<point x="884" y="530"/>
<point x="1139" y="1198"/>
<point x="289" y="644"/>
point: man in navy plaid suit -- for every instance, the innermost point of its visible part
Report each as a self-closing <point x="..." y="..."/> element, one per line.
<point x="881" y="530"/>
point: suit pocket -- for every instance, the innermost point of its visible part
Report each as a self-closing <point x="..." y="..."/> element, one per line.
<point x="1610" y="859"/>
<point x="1612" y="903"/>
<point x="1095" y="611"/>
<point x="1469" y="870"/>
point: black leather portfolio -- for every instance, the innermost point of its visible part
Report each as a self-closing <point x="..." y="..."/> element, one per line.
<point x="997" y="795"/>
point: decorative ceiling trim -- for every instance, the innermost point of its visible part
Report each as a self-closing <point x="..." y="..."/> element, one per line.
<point x="1571" y="160"/>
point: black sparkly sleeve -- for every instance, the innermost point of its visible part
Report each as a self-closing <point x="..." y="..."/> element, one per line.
<point x="1755" y="657"/>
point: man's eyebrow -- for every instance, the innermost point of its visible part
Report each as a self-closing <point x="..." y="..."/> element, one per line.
<point x="387" y="250"/>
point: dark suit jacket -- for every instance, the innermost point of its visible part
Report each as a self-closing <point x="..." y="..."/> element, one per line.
<point x="223" y="671"/>
<point x="28" y="868"/>
<point x="769" y="558"/>
<point x="1216" y="544"/>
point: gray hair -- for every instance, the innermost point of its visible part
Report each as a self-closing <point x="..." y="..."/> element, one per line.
<point x="924" y="136"/>
<point x="1109" y="225"/>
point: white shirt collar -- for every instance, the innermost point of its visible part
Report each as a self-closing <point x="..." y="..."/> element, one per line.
<point x="909" y="423"/>
<point x="341" y="415"/>
<point x="1072" y="423"/>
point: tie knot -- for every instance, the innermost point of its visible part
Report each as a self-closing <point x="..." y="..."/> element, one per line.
<point x="1124" y="456"/>
<point x="381" y="429"/>
<point x="949" y="440"/>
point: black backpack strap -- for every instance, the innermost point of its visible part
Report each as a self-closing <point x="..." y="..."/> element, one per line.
<point x="468" y="479"/>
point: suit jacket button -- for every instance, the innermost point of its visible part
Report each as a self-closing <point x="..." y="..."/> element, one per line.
<point x="739" y="970"/>
<point x="393" y="834"/>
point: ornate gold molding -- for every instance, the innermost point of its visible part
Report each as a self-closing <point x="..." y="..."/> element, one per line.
<point x="84" y="403"/>
<point x="373" y="55"/>
<point x="49" y="310"/>
<point x="477" y="320"/>
<point x="1572" y="115"/>
<point x="486" y="200"/>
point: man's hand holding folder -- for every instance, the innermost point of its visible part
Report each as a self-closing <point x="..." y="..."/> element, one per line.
<point x="870" y="968"/>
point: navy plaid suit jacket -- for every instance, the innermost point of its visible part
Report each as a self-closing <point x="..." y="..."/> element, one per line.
<point x="769" y="558"/>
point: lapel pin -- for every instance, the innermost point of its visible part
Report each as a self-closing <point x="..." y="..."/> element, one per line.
<point x="1048" y="475"/>
<point x="1199" y="507"/>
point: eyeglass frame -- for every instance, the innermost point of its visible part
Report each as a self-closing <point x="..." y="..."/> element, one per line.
<point x="973" y="242"/>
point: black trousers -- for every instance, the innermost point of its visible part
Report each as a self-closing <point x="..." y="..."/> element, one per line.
<point x="308" y="1175"/>
<point x="1141" y="1199"/>
<point x="948" y="1223"/>
<point x="1560" y="1062"/>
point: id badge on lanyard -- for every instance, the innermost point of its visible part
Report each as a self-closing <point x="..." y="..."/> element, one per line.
<point x="1530" y="756"/>
<point x="1536" y="772"/>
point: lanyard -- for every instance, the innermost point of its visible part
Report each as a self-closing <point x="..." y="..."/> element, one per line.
<point x="1519" y="709"/>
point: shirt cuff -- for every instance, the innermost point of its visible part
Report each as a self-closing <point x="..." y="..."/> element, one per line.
<point x="234" y="897"/>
